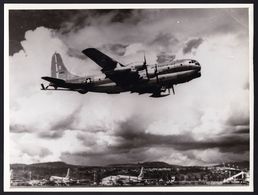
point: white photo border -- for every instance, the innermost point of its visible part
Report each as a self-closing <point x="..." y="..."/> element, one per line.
<point x="6" y="184"/>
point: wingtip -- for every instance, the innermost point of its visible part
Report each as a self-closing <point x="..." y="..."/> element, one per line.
<point x="87" y="50"/>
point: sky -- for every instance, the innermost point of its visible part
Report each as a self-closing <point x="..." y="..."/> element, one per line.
<point x="206" y="122"/>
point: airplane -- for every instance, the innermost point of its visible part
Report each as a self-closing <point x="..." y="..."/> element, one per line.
<point x="37" y="182"/>
<point x="241" y="177"/>
<point x="61" y="180"/>
<point x="155" y="79"/>
<point x="123" y="179"/>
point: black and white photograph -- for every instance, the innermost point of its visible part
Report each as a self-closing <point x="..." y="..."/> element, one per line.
<point x="132" y="97"/>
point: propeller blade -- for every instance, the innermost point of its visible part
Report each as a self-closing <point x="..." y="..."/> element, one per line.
<point x="156" y="73"/>
<point x="147" y="74"/>
<point x="144" y="61"/>
<point x="145" y="66"/>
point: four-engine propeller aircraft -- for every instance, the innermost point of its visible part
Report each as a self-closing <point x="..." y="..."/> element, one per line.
<point x="61" y="180"/>
<point x="130" y="180"/>
<point x="156" y="79"/>
<point x="124" y="179"/>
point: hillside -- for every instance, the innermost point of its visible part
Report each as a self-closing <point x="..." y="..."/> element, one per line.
<point x="240" y="165"/>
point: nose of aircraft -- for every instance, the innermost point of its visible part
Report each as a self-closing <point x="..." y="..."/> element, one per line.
<point x="197" y="66"/>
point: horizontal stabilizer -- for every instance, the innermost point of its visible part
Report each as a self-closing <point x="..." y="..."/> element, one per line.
<point x="158" y="95"/>
<point x="54" y="80"/>
<point x="101" y="59"/>
<point x="47" y="89"/>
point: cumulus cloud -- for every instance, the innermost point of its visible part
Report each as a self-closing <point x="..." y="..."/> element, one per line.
<point x="192" y="44"/>
<point x="117" y="49"/>
<point x="163" y="58"/>
<point x="132" y="135"/>
<point x="206" y="122"/>
<point x="18" y="128"/>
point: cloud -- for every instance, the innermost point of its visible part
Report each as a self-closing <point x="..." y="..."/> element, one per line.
<point x="67" y="122"/>
<point x="164" y="41"/>
<point x="243" y="130"/>
<point x="238" y="118"/>
<point x="28" y="148"/>
<point x="163" y="58"/>
<point x="131" y="143"/>
<point x="117" y="49"/>
<point x="76" y="53"/>
<point x="16" y="128"/>
<point x="133" y="136"/>
<point x="41" y="152"/>
<point x="50" y="134"/>
<point x="192" y="44"/>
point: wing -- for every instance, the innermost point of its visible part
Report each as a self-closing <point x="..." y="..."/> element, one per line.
<point x="101" y="59"/>
<point x="124" y="78"/>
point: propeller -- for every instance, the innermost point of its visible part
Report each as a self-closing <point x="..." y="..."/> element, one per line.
<point x="156" y="73"/>
<point x="144" y="65"/>
<point x="144" y="60"/>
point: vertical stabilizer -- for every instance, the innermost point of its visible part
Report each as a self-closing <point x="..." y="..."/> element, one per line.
<point x="68" y="173"/>
<point x="58" y="69"/>
<point x="141" y="173"/>
<point x="11" y="174"/>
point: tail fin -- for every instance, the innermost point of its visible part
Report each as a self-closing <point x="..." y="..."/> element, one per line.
<point x="141" y="173"/>
<point x="68" y="173"/>
<point x="11" y="174"/>
<point x="58" y="69"/>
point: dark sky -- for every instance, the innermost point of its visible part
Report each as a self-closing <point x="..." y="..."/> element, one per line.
<point x="24" y="20"/>
<point x="21" y="21"/>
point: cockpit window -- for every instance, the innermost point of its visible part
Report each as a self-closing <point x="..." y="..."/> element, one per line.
<point x="194" y="62"/>
<point x="191" y="61"/>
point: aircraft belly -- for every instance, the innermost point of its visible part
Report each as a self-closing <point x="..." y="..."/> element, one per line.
<point x="110" y="88"/>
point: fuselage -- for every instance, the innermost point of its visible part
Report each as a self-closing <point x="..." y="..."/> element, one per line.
<point x="121" y="180"/>
<point x="56" y="180"/>
<point x="165" y="75"/>
<point x="140" y="78"/>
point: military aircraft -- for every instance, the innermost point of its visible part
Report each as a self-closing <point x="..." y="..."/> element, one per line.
<point x="141" y="78"/>
<point x="61" y="180"/>
<point x="123" y="179"/>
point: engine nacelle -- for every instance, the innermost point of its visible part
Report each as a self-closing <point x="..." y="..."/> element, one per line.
<point x="82" y="91"/>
